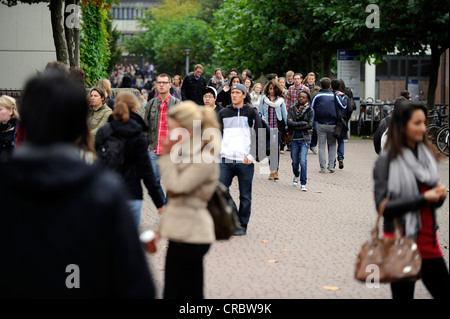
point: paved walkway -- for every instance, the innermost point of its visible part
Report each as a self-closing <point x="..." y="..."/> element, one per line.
<point x="300" y="245"/>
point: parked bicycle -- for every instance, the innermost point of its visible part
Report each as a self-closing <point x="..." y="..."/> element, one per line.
<point x="437" y="120"/>
<point x="442" y="140"/>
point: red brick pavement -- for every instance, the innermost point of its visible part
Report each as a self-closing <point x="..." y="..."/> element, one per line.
<point x="313" y="237"/>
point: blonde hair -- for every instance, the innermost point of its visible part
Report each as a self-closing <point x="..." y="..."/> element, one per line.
<point x="105" y="84"/>
<point x="187" y="112"/>
<point x="10" y="103"/>
<point x="257" y="84"/>
<point x="125" y="103"/>
<point x="289" y="74"/>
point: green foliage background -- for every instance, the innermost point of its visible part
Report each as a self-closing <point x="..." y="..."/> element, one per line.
<point x="94" y="46"/>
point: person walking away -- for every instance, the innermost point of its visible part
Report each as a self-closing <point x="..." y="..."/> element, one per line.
<point x="407" y="172"/>
<point x="186" y="221"/>
<point x="273" y="112"/>
<point x="9" y="122"/>
<point x="67" y="219"/>
<point x="99" y="112"/>
<point x="338" y="88"/>
<point x="239" y="122"/>
<point x="127" y="125"/>
<point x="300" y="120"/>
<point x="156" y="120"/>
<point x="325" y="115"/>
<point x="192" y="86"/>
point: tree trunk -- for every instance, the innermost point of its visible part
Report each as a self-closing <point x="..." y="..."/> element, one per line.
<point x="434" y="72"/>
<point x="72" y="30"/>
<point x="326" y="63"/>
<point x="59" y="39"/>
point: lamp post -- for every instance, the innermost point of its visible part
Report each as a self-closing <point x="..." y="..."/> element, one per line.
<point x="187" y="59"/>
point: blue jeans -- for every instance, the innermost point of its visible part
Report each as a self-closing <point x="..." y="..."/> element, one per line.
<point x="299" y="152"/>
<point x="135" y="206"/>
<point x="244" y="173"/>
<point x="340" y="149"/>
<point x="154" y="161"/>
<point x="314" y="137"/>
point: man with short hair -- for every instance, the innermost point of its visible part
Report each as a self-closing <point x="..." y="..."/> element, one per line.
<point x="294" y="90"/>
<point x="210" y="97"/>
<point x="156" y="119"/>
<point x="192" y="86"/>
<point x="239" y="121"/>
<point x="325" y="115"/>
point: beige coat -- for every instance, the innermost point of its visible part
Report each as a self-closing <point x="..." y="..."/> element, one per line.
<point x="98" y="117"/>
<point x="189" y="186"/>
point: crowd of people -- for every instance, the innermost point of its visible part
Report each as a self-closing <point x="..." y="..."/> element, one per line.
<point x="74" y="161"/>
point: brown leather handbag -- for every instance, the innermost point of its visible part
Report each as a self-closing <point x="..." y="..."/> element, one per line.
<point x="388" y="259"/>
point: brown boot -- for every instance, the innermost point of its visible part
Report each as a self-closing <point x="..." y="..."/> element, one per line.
<point x="275" y="176"/>
<point x="271" y="177"/>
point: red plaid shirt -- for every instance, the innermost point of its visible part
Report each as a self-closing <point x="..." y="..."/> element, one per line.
<point x="292" y="95"/>
<point x="162" y="126"/>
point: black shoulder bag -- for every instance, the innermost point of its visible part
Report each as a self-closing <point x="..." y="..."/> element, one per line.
<point x="340" y="132"/>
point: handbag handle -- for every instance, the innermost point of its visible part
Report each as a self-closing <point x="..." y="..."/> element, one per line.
<point x="375" y="231"/>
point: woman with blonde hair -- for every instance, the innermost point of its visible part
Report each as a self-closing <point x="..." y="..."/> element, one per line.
<point x="190" y="170"/>
<point x="9" y="121"/>
<point x="105" y="84"/>
<point x="129" y="126"/>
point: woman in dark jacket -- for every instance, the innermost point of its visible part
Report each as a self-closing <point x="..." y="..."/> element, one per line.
<point x="408" y="174"/>
<point x="136" y="166"/>
<point x="300" y="122"/>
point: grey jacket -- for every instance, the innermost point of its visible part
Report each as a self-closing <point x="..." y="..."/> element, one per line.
<point x="152" y="119"/>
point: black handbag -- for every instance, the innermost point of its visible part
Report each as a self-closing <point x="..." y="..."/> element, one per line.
<point x="340" y="132"/>
<point x="223" y="212"/>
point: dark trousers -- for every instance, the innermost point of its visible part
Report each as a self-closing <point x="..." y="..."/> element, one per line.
<point x="434" y="276"/>
<point x="184" y="270"/>
<point x="244" y="173"/>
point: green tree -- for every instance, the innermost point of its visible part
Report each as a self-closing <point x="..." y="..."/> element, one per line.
<point x="408" y="26"/>
<point x="94" y="49"/>
<point x="167" y="31"/>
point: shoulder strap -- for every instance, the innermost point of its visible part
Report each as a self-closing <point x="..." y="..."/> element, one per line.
<point x="381" y="208"/>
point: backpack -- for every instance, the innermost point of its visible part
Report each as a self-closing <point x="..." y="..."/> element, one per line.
<point x="223" y="212"/>
<point x="111" y="148"/>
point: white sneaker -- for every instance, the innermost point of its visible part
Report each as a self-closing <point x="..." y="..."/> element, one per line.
<point x="303" y="188"/>
<point x="295" y="181"/>
<point x="314" y="150"/>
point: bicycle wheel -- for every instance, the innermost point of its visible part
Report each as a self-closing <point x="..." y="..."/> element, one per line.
<point x="360" y="126"/>
<point x="442" y="140"/>
<point x="432" y="131"/>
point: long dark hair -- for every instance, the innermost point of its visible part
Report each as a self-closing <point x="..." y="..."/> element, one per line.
<point x="397" y="138"/>
<point x="278" y="92"/>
